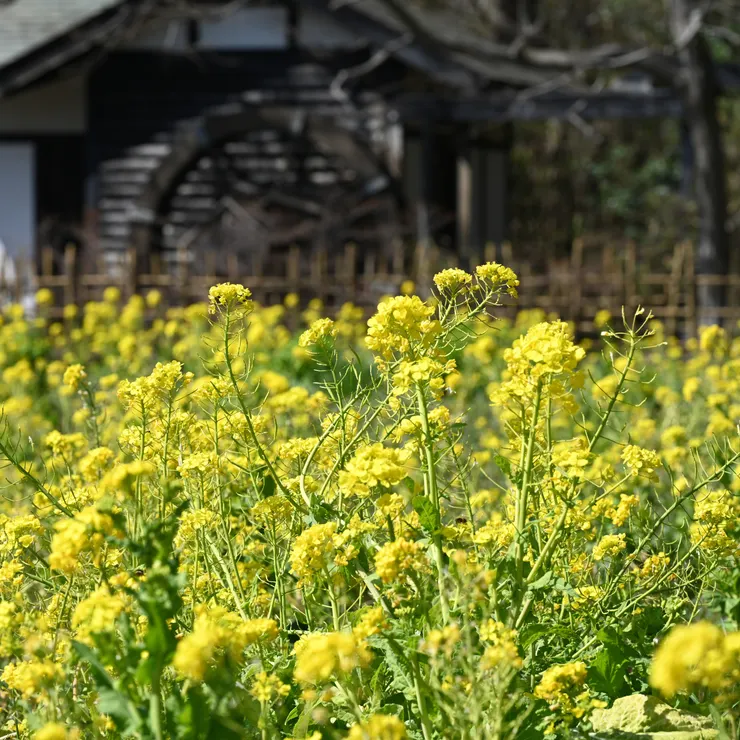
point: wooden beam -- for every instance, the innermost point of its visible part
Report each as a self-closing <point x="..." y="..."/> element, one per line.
<point x="435" y="64"/>
<point x="510" y="106"/>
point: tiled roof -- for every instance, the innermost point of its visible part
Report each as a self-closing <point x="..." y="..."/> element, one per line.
<point x="28" y="24"/>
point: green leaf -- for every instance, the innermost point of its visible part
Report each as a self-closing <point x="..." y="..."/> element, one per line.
<point x="606" y="673"/>
<point x="542" y="582"/>
<point x="96" y="667"/>
<point x="503" y="464"/>
<point x="530" y="633"/>
<point x="268" y="486"/>
<point x="614" y="641"/>
<point x="719" y="722"/>
<point x="118" y="706"/>
<point x="398" y="663"/>
<point x="426" y="511"/>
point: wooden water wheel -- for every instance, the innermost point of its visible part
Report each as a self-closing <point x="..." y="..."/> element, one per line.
<point x="254" y="183"/>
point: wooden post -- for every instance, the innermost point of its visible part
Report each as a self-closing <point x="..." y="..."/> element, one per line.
<point x="210" y="264"/>
<point x="132" y="274"/>
<point x="182" y="274"/>
<point x="423" y="230"/>
<point x="691" y="318"/>
<point x="70" y="264"/>
<point x="464" y="197"/>
<point x="630" y="278"/>
<point x="293" y="269"/>
<point x="350" y="272"/>
<point x="47" y="261"/>
<point x="673" y="292"/>
<point x="575" y="281"/>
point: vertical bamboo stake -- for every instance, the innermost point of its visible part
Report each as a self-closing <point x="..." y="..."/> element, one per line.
<point x="293" y="269"/>
<point x="630" y="277"/>
<point x="575" y="281"/>
<point x="350" y="270"/>
<point x="210" y="265"/>
<point x="47" y="261"/>
<point x="70" y="284"/>
<point x="132" y="274"/>
<point x="691" y="318"/>
<point x="673" y="292"/>
<point x="368" y="274"/>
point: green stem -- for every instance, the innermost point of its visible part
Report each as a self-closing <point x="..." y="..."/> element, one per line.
<point x="38" y="485"/>
<point x="248" y="418"/>
<point x="433" y="492"/>
<point x="60" y="617"/>
<point x="523" y="497"/>
<point x="613" y="400"/>
<point x="334" y="605"/>
<point x="155" y="706"/>
<point x="423" y="716"/>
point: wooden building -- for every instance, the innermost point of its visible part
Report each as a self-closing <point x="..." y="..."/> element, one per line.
<point x="176" y="128"/>
<point x="235" y="127"/>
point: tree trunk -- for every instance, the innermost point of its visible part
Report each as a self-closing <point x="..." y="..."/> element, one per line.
<point x="699" y="92"/>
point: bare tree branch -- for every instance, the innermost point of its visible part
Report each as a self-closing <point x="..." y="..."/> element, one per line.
<point x="376" y="59"/>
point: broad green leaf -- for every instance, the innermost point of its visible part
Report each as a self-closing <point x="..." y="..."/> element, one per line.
<point x="426" y="511"/>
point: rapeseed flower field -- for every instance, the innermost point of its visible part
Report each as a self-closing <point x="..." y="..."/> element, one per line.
<point x="241" y="521"/>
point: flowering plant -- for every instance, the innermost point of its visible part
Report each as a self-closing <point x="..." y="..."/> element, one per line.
<point x="217" y="528"/>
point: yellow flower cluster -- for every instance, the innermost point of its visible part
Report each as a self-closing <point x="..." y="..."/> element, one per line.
<point x="371" y="623"/>
<point x="314" y="551"/>
<point x="320" y="332"/>
<point x="378" y="727"/>
<point x="571" y="456"/>
<point x="641" y="461"/>
<point x="85" y="532"/>
<point x="563" y="687"/>
<point x="546" y="355"/>
<point x="97" y="613"/>
<point x="56" y="731"/>
<point x="218" y="635"/>
<point x="609" y="546"/>
<point x="498" y="276"/>
<point x="268" y="686"/>
<point x="226" y="296"/>
<point x="322" y="656"/>
<point x="502" y="650"/>
<point x="442" y="640"/>
<point x="696" y="656"/>
<point x="545" y="349"/>
<point x="373" y="466"/>
<point x="426" y="372"/>
<point x="560" y="680"/>
<point x="74" y="375"/>
<point x="32" y="677"/>
<point x="716" y="518"/>
<point x="399" y="558"/>
<point x="452" y="279"/>
<point x="401" y="324"/>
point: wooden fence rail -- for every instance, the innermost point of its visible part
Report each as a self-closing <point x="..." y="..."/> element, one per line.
<point x="575" y="289"/>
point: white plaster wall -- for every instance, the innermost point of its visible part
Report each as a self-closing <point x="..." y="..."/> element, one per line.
<point x="57" y="108"/>
<point x="17" y="199"/>
<point x="249" y="28"/>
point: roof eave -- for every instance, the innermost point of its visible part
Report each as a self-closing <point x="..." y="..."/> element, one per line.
<point x="64" y="49"/>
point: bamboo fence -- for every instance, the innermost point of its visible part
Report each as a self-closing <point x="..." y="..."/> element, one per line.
<point x="574" y="289"/>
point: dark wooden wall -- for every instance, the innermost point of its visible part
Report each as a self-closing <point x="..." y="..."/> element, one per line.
<point x="136" y="101"/>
